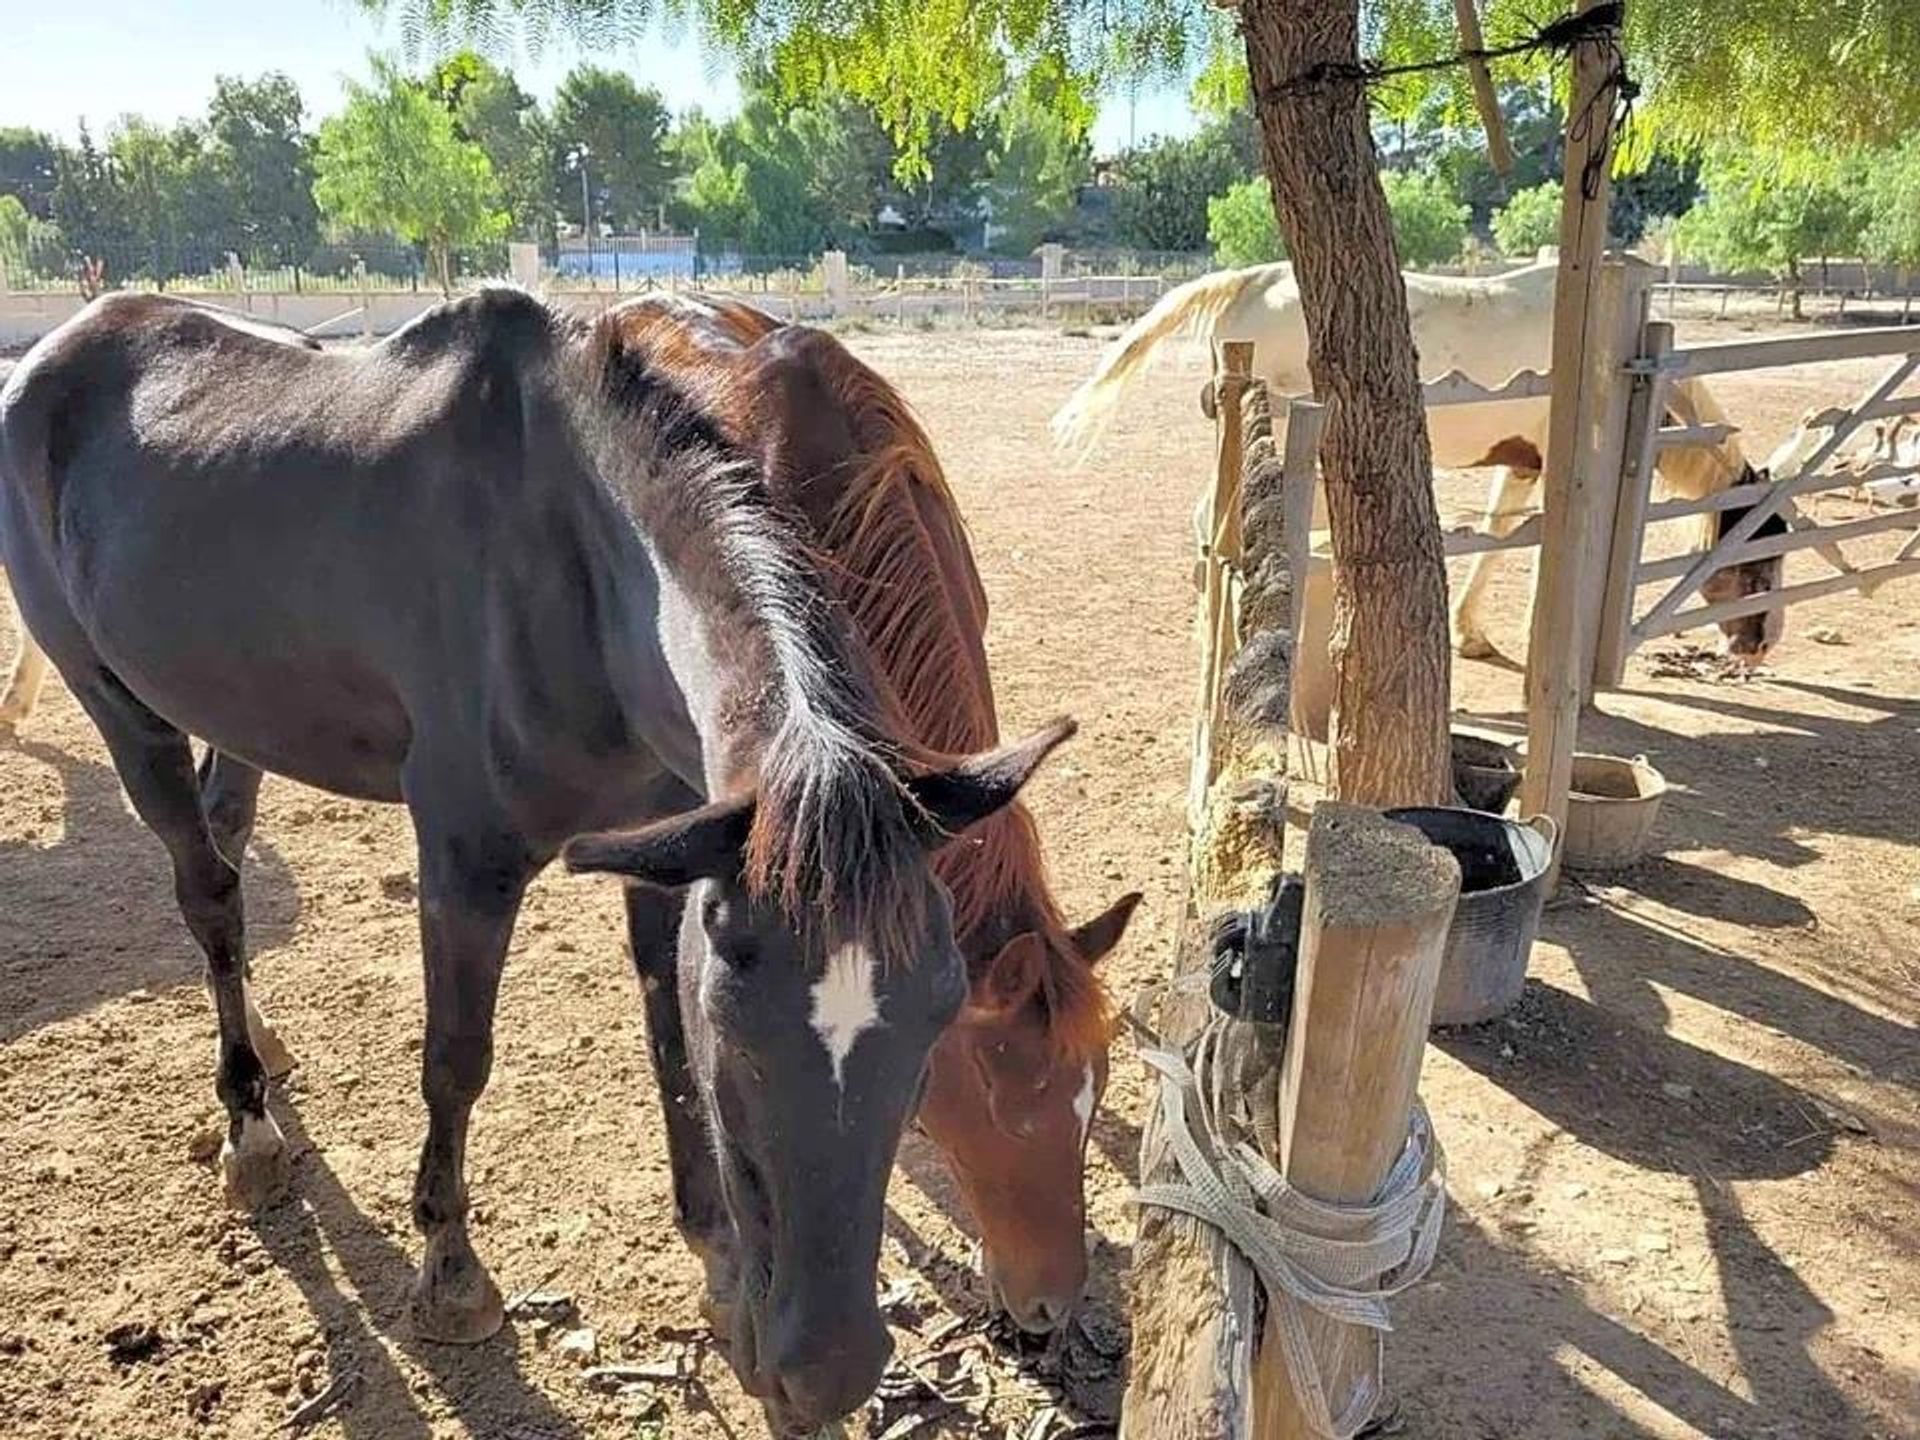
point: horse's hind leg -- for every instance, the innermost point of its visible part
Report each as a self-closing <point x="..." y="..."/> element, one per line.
<point x="155" y="764"/>
<point x="229" y="794"/>
<point x="472" y="878"/>
<point x="1505" y="513"/>
<point x="23" y="686"/>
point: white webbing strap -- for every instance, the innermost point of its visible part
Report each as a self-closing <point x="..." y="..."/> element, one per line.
<point x="1344" y="1261"/>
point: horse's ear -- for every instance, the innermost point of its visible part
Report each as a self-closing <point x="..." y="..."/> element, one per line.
<point x="1010" y="981"/>
<point x="1099" y="935"/>
<point x="954" y="799"/>
<point x="703" y="844"/>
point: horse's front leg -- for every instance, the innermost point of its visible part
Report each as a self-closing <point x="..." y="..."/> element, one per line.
<point x="471" y="883"/>
<point x="653" y="928"/>
<point x="1506" y="511"/>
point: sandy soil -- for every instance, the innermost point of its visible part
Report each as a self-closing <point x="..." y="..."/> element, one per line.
<point x="1685" y="1172"/>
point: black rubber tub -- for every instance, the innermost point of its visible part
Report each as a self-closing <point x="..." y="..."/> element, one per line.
<point x="1503" y="870"/>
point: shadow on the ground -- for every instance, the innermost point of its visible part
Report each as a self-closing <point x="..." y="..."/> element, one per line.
<point x="319" y="1228"/>
<point x="91" y="916"/>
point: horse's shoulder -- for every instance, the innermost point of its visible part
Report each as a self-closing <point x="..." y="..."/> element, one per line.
<point x="497" y="323"/>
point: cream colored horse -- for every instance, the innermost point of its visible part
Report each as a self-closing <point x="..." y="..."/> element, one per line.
<point x="1487" y="327"/>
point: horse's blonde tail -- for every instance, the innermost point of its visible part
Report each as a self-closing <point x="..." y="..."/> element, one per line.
<point x="1182" y="311"/>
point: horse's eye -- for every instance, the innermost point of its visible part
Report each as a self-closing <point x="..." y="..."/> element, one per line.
<point x="739" y="955"/>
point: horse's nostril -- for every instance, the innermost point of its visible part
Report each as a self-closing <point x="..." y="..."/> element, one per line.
<point x="1041" y="1317"/>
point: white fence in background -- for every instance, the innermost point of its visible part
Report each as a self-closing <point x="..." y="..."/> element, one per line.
<point x="831" y="289"/>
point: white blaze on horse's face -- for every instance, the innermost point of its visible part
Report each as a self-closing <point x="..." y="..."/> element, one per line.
<point x="844" y="1006"/>
<point x="1083" y="1105"/>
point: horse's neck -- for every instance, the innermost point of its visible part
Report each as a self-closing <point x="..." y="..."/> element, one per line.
<point x="1693" y="472"/>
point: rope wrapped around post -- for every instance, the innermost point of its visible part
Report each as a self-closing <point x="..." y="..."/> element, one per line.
<point x="1342" y="1261"/>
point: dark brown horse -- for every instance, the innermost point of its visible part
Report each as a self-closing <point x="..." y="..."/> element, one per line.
<point x="499" y="569"/>
<point x="1015" y="1080"/>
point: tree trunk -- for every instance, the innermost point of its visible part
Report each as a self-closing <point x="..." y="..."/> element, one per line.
<point x="1389" y="646"/>
<point x="1793" y="279"/>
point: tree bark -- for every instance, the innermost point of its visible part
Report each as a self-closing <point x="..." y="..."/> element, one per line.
<point x="1389" y="644"/>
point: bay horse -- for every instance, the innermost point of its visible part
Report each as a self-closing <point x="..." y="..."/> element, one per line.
<point x="498" y="569"/>
<point x="1014" y="1081"/>
<point x="1487" y="327"/>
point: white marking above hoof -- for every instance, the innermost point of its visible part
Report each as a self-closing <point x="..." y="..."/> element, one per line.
<point x="254" y="1167"/>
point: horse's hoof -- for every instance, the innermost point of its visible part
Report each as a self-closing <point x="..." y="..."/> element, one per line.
<point x="455" y="1301"/>
<point x="254" y="1167"/>
<point x="1475" y="647"/>
<point x="722" y="1290"/>
<point x="466" y="1323"/>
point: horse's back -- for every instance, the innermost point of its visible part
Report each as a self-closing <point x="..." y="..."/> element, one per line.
<point x="300" y="555"/>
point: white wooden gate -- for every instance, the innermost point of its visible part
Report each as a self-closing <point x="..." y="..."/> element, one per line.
<point x="1802" y="467"/>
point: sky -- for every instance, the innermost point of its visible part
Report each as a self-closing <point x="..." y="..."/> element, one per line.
<point x="98" y="59"/>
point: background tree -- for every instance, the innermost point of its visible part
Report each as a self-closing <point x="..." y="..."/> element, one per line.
<point x="262" y="162"/>
<point x="1163" y="189"/>
<point x="750" y="184"/>
<point x="1042" y="159"/>
<point x="29" y="169"/>
<point x="1528" y="221"/>
<point x="624" y="127"/>
<point x="490" y="109"/>
<point x="391" y="160"/>
<point x="167" y="195"/>
<point x="1241" y="225"/>
<point x="1755" y="217"/>
<point x="85" y="205"/>
<point x="1429" y="225"/>
<point x="1891" y="185"/>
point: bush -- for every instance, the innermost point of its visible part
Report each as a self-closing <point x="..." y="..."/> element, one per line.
<point x="1241" y="226"/>
<point x="1429" y="225"/>
<point x="1528" y="221"/>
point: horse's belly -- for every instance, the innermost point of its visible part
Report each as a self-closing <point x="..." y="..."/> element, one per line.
<point x="1466" y="435"/>
<point x="324" y="722"/>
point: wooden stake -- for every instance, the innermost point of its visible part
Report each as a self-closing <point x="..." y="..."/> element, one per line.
<point x="1484" y="98"/>
<point x="1193" y="1305"/>
<point x="1556" y="678"/>
<point x="1378" y="903"/>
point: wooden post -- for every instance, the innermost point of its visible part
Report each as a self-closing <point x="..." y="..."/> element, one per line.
<point x="900" y="295"/>
<point x="1645" y="415"/>
<point x="1312" y="700"/>
<point x="1193" y="1325"/>
<point x="366" y="298"/>
<point x="1379" y="899"/>
<point x="1555" y="678"/>
<point x="1219" y="631"/>
<point x="1484" y="98"/>
<point x="1619" y="322"/>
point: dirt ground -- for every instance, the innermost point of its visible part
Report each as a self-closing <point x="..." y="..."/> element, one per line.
<point x="1685" y="1172"/>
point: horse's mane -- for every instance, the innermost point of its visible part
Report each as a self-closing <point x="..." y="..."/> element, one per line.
<point x="893" y="541"/>
<point x="917" y="608"/>
<point x="833" y="836"/>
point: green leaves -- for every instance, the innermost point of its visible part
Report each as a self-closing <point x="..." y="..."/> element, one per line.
<point x="1891" y="183"/>
<point x="1429" y="225"/>
<point x="392" y="160"/>
<point x="1160" y="198"/>
<point x="1242" y="226"/>
<point x="623" y="127"/>
<point x="1755" y="217"/>
<point x="1528" y="221"/>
